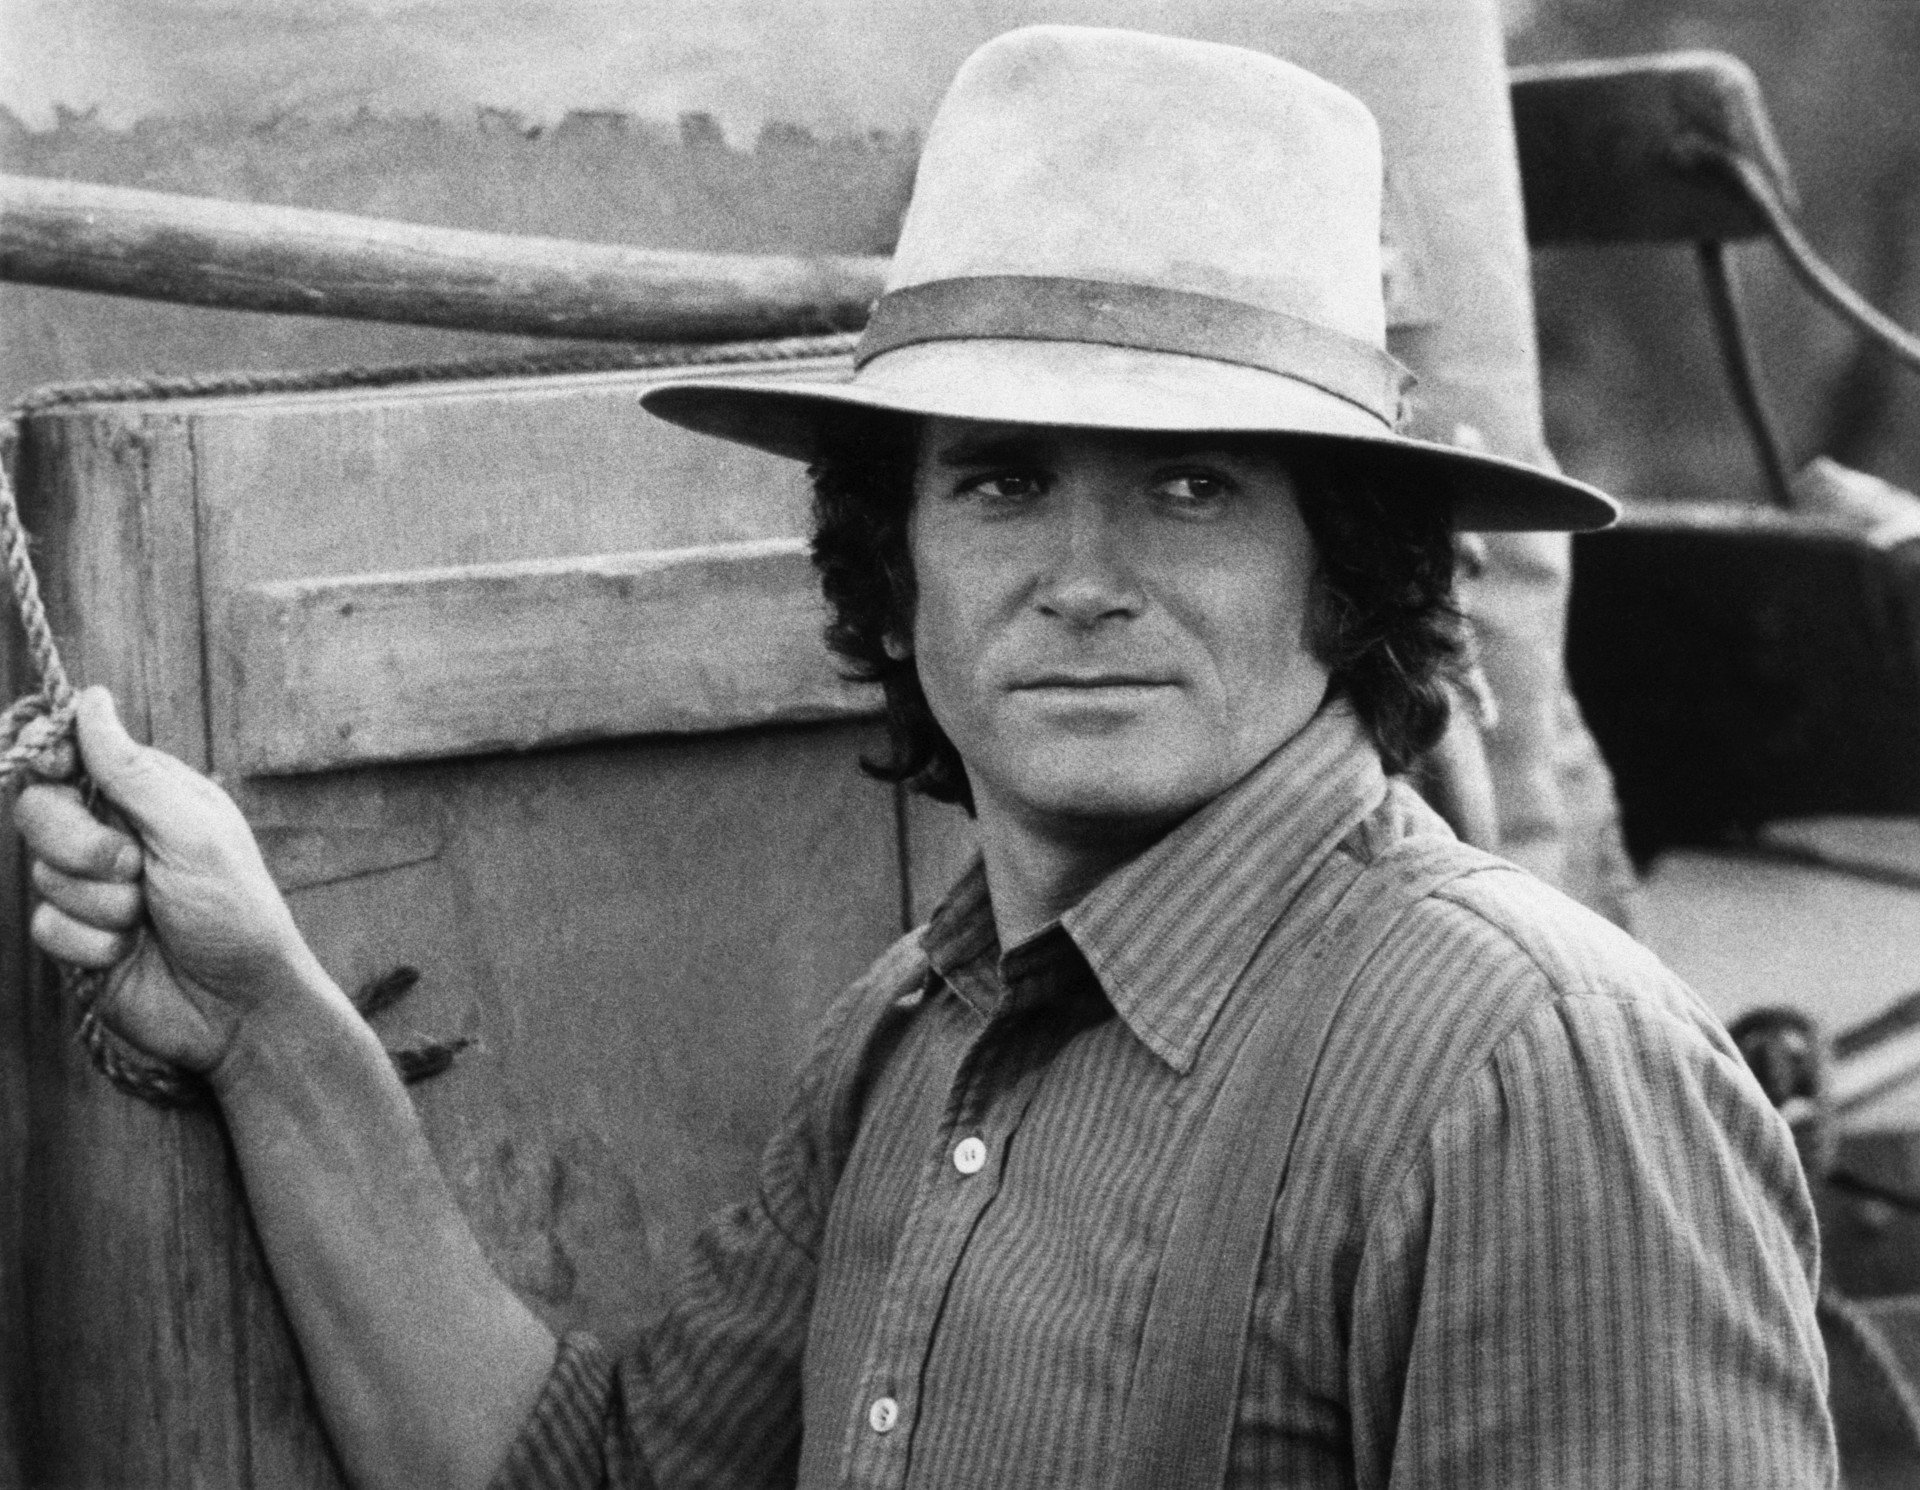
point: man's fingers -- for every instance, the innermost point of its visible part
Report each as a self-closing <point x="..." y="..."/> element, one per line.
<point x="61" y="936"/>
<point x="108" y="904"/>
<point x="56" y="827"/>
<point x="146" y="784"/>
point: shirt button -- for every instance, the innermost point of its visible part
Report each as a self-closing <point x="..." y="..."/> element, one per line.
<point x="969" y="1155"/>
<point x="884" y="1413"/>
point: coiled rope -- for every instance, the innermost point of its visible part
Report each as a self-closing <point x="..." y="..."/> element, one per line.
<point x="37" y="741"/>
<point x="37" y="744"/>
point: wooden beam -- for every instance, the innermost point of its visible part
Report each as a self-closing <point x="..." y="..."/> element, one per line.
<point x="483" y="658"/>
<point x="246" y="256"/>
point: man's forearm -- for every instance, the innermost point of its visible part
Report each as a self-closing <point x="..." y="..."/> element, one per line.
<point x="423" y="1361"/>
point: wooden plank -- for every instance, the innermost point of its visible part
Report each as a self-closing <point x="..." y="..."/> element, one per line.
<point x="637" y="933"/>
<point x="337" y="484"/>
<point x="172" y="650"/>
<point x="130" y="1222"/>
<point x="638" y="936"/>
<point x="114" y="240"/>
<point x="473" y="473"/>
<point x="15" y="1361"/>
<point x="498" y="657"/>
<point x="119" y="578"/>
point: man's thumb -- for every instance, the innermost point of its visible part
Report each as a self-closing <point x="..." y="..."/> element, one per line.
<point x="129" y="773"/>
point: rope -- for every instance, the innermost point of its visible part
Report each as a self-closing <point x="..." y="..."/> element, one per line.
<point x="37" y="745"/>
<point x="37" y="732"/>
<point x="525" y="365"/>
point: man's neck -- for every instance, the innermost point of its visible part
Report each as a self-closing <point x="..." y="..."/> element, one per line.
<point x="1037" y="871"/>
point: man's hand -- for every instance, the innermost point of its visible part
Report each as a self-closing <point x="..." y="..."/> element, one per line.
<point x="186" y="908"/>
<point x="423" y="1362"/>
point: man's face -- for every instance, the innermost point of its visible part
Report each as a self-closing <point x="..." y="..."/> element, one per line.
<point x="1111" y="627"/>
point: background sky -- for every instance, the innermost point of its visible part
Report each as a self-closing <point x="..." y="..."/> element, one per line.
<point x="741" y="60"/>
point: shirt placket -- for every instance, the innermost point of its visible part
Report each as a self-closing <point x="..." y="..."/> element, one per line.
<point x="962" y="1174"/>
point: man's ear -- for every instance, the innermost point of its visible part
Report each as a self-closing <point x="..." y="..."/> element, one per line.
<point x="896" y="646"/>
<point x="1327" y="619"/>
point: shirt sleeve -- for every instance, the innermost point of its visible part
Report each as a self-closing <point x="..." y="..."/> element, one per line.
<point x="1599" y="1272"/>
<point x="710" y="1396"/>
<point x="563" y="1444"/>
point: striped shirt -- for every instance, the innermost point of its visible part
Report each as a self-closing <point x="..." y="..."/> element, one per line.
<point x="1541" y="1228"/>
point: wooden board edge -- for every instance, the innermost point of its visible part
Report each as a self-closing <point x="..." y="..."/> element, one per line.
<point x="340" y="671"/>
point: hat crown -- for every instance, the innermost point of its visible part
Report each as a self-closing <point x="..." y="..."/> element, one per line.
<point x="1092" y="154"/>
<point x="1113" y="230"/>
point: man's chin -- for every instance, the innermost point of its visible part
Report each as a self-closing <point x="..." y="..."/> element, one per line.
<point x="1102" y="793"/>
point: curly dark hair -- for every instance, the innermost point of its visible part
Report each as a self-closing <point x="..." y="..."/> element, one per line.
<point x="1383" y="617"/>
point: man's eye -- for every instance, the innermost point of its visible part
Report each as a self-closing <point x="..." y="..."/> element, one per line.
<point x="1002" y="487"/>
<point x="1193" y="491"/>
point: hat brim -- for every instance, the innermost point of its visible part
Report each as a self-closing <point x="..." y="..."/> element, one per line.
<point x="1098" y="387"/>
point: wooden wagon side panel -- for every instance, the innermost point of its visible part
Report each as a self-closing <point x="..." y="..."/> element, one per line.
<point x="634" y="930"/>
<point x="129" y="1229"/>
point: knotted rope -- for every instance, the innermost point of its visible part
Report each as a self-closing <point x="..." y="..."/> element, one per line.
<point x="37" y="742"/>
<point x="36" y="731"/>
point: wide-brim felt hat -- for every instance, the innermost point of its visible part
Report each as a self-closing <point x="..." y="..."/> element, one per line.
<point x="1115" y="230"/>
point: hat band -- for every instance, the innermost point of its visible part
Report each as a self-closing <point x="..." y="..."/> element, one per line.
<point x="1148" y="318"/>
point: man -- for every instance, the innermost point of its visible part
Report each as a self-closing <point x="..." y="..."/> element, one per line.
<point x="1114" y="511"/>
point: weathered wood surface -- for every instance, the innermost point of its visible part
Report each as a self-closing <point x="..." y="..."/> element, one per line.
<point x="131" y="1243"/>
<point x="333" y="486"/>
<point x="635" y="932"/>
<point x="15" y="670"/>
<point x="116" y="240"/>
<point x="480" y="658"/>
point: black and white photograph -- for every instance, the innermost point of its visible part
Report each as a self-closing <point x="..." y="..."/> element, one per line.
<point x="959" y="744"/>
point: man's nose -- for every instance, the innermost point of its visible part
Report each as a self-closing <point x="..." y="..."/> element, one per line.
<point x="1089" y="577"/>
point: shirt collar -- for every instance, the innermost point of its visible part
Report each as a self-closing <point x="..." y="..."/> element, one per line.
<point x="961" y="943"/>
<point x="1169" y="933"/>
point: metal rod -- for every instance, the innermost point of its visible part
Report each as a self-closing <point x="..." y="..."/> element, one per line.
<point x="1859" y="1079"/>
<point x="246" y="256"/>
<point x="1818" y="275"/>
<point x="1896" y="1019"/>
<point x="1736" y="355"/>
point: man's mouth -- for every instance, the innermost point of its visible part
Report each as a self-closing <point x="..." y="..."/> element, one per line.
<point x="1090" y="681"/>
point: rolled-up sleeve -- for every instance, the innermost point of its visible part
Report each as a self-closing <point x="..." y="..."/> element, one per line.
<point x="1598" y="1272"/>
